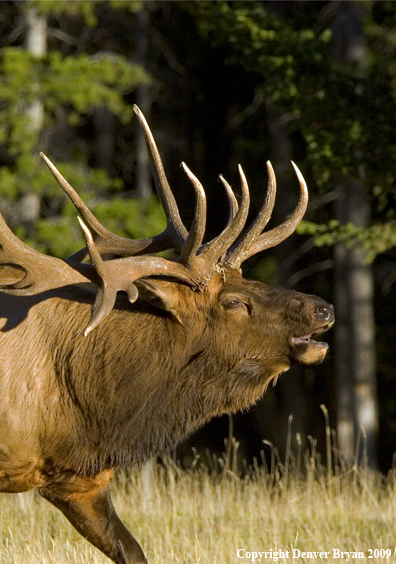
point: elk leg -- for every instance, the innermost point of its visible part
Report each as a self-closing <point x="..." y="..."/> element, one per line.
<point x="92" y="513"/>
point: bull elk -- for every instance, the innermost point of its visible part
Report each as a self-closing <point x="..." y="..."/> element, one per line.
<point x="91" y="383"/>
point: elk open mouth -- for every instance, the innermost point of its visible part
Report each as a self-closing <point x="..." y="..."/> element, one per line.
<point x="306" y="349"/>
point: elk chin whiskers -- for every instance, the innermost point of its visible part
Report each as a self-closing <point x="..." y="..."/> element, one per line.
<point x="274" y="379"/>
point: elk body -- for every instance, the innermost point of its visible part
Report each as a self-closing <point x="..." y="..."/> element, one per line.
<point x="90" y="384"/>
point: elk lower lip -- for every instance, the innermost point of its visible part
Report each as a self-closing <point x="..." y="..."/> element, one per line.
<point x="306" y="350"/>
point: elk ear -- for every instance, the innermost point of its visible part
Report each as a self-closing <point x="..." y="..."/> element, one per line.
<point x="164" y="295"/>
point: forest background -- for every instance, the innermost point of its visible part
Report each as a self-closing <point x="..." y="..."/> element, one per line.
<point x="223" y="83"/>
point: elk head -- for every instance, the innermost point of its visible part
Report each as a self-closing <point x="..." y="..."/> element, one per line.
<point x="27" y="272"/>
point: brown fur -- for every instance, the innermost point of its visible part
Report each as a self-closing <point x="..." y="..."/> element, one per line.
<point x="73" y="408"/>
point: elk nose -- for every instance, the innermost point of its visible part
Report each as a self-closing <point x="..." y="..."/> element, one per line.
<point x="324" y="313"/>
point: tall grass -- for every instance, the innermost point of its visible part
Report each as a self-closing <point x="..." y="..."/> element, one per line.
<point x="201" y="517"/>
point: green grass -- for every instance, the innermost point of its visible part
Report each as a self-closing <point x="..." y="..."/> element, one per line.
<point x="196" y="517"/>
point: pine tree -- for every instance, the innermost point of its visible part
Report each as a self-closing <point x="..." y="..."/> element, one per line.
<point x="46" y="97"/>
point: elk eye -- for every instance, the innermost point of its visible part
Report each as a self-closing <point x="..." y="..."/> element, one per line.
<point x="234" y="303"/>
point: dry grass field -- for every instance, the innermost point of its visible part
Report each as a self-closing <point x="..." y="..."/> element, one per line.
<point x="295" y="510"/>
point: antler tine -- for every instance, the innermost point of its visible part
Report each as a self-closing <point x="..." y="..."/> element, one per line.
<point x="197" y="231"/>
<point x="275" y="236"/>
<point x="105" y="240"/>
<point x="218" y="246"/>
<point x="232" y="201"/>
<point x="121" y="274"/>
<point x="26" y="272"/>
<point x="175" y="228"/>
<point x="242" y="248"/>
<point x="110" y="283"/>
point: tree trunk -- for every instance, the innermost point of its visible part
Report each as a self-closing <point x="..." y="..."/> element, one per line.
<point x="36" y="43"/>
<point x="143" y="175"/>
<point x="355" y="334"/>
<point x="355" y="324"/>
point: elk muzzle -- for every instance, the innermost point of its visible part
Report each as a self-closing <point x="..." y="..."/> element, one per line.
<point x="304" y="348"/>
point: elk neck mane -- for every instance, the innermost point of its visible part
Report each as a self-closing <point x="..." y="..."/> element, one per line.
<point x="123" y="400"/>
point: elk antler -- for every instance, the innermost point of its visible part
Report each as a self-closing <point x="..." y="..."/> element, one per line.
<point x="120" y="274"/>
<point x="254" y="240"/>
<point x="175" y="233"/>
<point x="24" y="271"/>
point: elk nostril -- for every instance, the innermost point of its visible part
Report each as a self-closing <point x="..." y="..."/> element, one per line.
<point x="324" y="313"/>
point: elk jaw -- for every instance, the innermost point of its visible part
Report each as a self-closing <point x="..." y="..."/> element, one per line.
<point x="306" y="350"/>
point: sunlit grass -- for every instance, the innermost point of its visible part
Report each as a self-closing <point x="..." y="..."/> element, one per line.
<point x="197" y="517"/>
